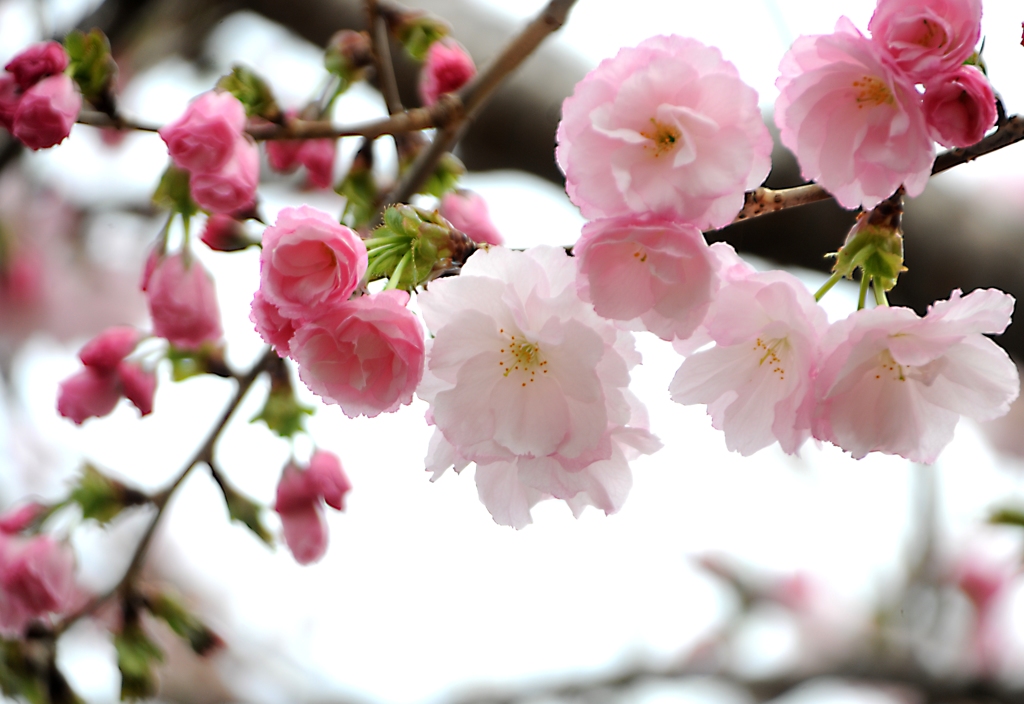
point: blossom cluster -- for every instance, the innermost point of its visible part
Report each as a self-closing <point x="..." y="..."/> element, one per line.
<point x="38" y="102"/>
<point x="849" y="105"/>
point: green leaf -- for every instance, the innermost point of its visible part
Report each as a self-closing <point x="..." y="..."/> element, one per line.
<point x="418" y="32"/>
<point x="184" y="623"/>
<point x="244" y="510"/>
<point x="283" y="413"/>
<point x="136" y="655"/>
<point x="172" y="193"/>
<point x="252" y="91"/>
<point x="91" y="66"/>
<point x="360" y="191"/>
<point x="102" y="498"/>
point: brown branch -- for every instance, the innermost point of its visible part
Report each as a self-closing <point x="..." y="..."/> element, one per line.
<point x="382" y="57"/>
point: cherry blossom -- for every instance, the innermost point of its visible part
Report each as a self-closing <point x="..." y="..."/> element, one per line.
<point x="667" y="127"/>
<point x="301" y="494"/>
<point x="46" y="112"/>
<point x="959" y="107"/>
<point x="205" y="137"/>
<point x="37" y="62"/>
<point x="36" y="579"/>
<point x="231" y="187"/>
<point x="767" y="328"/>
<point x="275" y="329"/>
<point x="856" y="125"/>
<point x="926" y="38"/>
<point x="893" y="382"/>
<point x="446" y="68"/>
<point x="467" y="212"/>
<point x="529" y="383"/>
<point x="183" y="303"/>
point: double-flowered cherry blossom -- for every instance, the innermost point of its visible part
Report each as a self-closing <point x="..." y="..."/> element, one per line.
<point x="38" y="102"/>
<point x="529" y="383"/>
<point x="767" y="329"/>
<point x="37" y="578"/>
<point x="893" y="382"/>
<point x="667" y="128"/>
<point x="959" y="107"/>
<point x="926" y="38"/>
<point x="446" y="68"/>
<point x="467" y="211"/>
<point x="183" y="302"/>
<point x="657" y="271"/>
<point x="855" y="122"/>
<point x="107" y="376"/>
<point x="301" y="495"/>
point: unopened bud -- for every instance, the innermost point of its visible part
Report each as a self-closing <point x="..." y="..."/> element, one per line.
<point x="347" y="56"/>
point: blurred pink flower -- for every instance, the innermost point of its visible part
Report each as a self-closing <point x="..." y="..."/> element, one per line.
<point x="301" y="494"/>
<point x="959" y="107"/>
<point x="46" y="112"/>
<point x="767" y="328"/>
<point x="658" y="271"/>
<point x="37" y="62"/>
<point x="309" y="261"/>
<point x="10" y="96"/>
<point x="366" y="355"/>
<point x="667" y="128"/>
<point x="317" y="155"/>
<point x="856" y="125"/>
<point x="37" y="578"/>
<point x="106" y="350"/>
<point x="138" y="385"/>
<point x="183" y="303"/>
<point x="467" y="211"/>
<point x="926" y="38"/>
<point x="222" y="233"/>
<point x="91" y="393"/>
<point x="892" y="382"/>
<point x="446" y="68"/>
<point x="230" y="188"/>
<point x="275" y="329"/>
<point x="206" y="136"/>
<point x="17" y="520"/>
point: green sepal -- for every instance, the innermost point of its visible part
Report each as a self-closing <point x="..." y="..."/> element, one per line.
<point x="91" y="66"/>
<point x="1007" y="516"/>
<point x="446" y="177"/>
<point x="102" y="498"/>
<point x="347" y="55"/>
<point x="172" y="193"/>
<point x="187" y="363"/>
<point x="413" y="245"/>
<point x="878" y="251"/>
<point x="136" y="655"/>
<point x="252" y="91"/>
<point x="418" y="31"/>
<point x="244" y="510"/>
<point x="200" y="638"/>
<point x="283" y="413"/>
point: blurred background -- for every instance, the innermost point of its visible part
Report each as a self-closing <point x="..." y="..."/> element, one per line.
<point x="814" y="578"/>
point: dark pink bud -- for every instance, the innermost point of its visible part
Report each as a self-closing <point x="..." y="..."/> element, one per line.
<point x="224" y="234"/>
<point x="87" y="394"/>
<point x="467" y="211"/>
<point x="300" y="497"/>
<point x="10" y="96"/>
<point x="446" y="69"/>
<point x="305" y="533"/>
<point x="46" y="112"/>
<point x="204" y="137"/>
<point x="138" y="385"/>
<point x="327" y="477"/>
<point x="959" y="107"/>
<point x="183" y="303"/>
<point x="106" y="350"/>
<point x="37" y="62"/>
<point x="283" y="154"/>
<point x="36" y="579"/>
<point x="17" y="520"/>
<point x="317" y="155"/>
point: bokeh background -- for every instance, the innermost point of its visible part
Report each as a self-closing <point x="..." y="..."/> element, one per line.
<point x="724" y="579"/>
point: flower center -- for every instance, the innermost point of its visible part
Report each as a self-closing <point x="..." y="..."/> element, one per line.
<point x="769" y="349"/>
<point x="662" y="136"/>
<point x="872" y="91"/>
<point x="521" y="357"/>
<point x="890" y="368"/>
<point x="640" y="255"/>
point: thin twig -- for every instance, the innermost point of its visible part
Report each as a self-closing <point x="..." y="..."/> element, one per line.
<point x="382" y="58"/>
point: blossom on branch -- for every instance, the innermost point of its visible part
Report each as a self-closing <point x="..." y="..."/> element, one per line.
<point x="856" y="125"/>
<point x="529" y="383"/>
<point x="446" y="68"/>
<point x="959" y="107"/>
<point x="230" y="188"/>
<point x="204" y="138"/>
<point x="36" y="62"/>
<point x="106" y="376"/>
<point x="37" y="578"/>
<point x="301" y="495"/>
<point x="467" y="212"/>
<point x="667" y="128"/>
<point x="183" y="302"/>
<point x="46" y="112"/>
<point x="926" y="38"/>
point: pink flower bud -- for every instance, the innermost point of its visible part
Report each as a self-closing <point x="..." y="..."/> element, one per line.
<point x="366" y="355"/>
<point x="317" y="155"/>
<point x="283" y="154"/>
<point x="183" y="303"/>
<point x="10" y="96"/>
<point x="467" y="211"/>
<point x="959" y="107"/>
<point x="87" y="394"/>
<point x="37" y="62"/>
<point x="138" y="385"/>
<point x="204" y="138"/>
<point x="926" y="38"/>
<point x="300" y="497"/>
<point x="232" y="187"/>
<point x="326" y="474"/>
<point x="17" y="520"/>
<point x="36" y="579"/>
<point x="446" y="69"/>
<point x="275" y="329"/>
<point x="224" y="234"/>
<point x="107" y="349"/>
<point x="46" y="112"/>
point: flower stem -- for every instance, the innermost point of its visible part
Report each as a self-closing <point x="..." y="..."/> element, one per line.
<point x="827" y="286"/>
<point x="399" y="270"/>
<point x="880" y="298"/>
<point x="864" y="281"/>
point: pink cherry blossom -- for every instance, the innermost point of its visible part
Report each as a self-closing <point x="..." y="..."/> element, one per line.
<point x="893" y="382"/>
<point x="309" y="261"/>
<point x="467" y="211"/>
<point x="36" y="579"/>
<point x="856" y="125"/>
<point x="529" y="383"/>
<point x="668" y="128"/>
<point x="767" y="328"/>
<point x="317" y="155"/>
<point x="446" y="68"/>
<point x="230" y="188"/>
<point x="183" y="303"/>
<point x="959" y="107"/>
<point x="46" y="112"/>
<point x="16" y="520"/>
<point x="223" y="233"/>
<point x="205" y="137"/>
<point x="138" y="385"/>
<point x="926" y="38"/>
<point x="37" y="62"/>
<point x="91" y="393"/>
<point x="301" y="494"/>
<point x="282" y="154"/>
<point x="658" y="271"/>
<point x="106" y="350"/>
<point x="275" y="329"/>
<point x="366" y="355"/>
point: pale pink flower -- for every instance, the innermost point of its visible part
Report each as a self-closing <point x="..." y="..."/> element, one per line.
<point x="183" y="303"/>
<point x="37" y="578"/>
<point x="893" y="382"/>
<point x="275" y="329"/>
<point x="668" y="128"/>
<point x="856" y="125"/>
<point x="767" y="330"/>
<point x="46" y="112"/>
<point x="658" y="271"/>
<point x="309" y="261"/>
<point x="91" y="393"/>
<point x="926" y="38"/>
<point x="366" y="355"/>
<point x="529" y="383"/>
<point x="37" y="62"/>
<point x="959" y="107"/>
<point x="301" y="494"/>
<point x="446" y="68"/>
<point x="230" y="188"/>
<point x="205" y="137"/>
<point x="467" y="212"/>
<point x="106" y="350"/>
